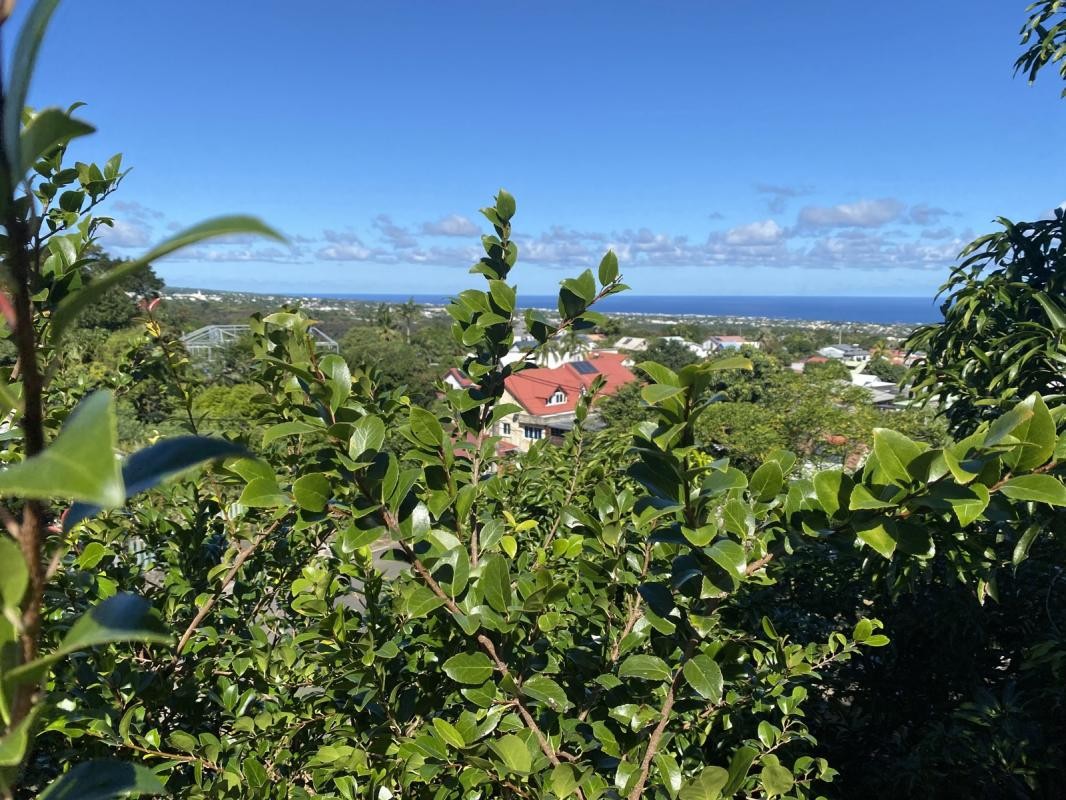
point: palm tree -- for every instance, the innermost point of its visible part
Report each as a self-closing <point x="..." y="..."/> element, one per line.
<point x="408" y="311"/>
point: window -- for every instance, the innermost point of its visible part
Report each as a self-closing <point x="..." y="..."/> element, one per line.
<point x="506" y="428"/>
<point x="557" y="398"/>
<point x="532" y="432"/>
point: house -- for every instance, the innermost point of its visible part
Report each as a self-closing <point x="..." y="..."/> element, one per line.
<point x="695" y="348"/>
<point x="718" y="343"/>
<point x="633" y="343"/>
<point x="548" y="397"/>
<point x="850" y="354"/>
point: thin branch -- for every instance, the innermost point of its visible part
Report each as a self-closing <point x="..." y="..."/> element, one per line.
<point x="205" y="609"/>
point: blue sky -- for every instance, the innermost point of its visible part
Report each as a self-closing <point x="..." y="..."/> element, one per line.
<point x="722" y="147"/>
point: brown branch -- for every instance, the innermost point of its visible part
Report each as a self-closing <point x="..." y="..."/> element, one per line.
<point x="487" y="645"/>
<point x="205" y="609"/>
<point x="657" y="734"/>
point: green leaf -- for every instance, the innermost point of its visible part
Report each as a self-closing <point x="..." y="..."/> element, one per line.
<point x="514" y="753"/>
<point x="879" y="534"/>
<point x="263" y="493"/>
<point x="80" y="464"/>
<point x="1037" y="437"/>
<point x="1021" y="549"/>
<point x="312" y="491"/>
<point x="563" y="781"/>
<point x="707" y="785"/>
<point x="1055" y="314"/>
<point x="13" y="744"/>
<point x="505" y="205"/>
<point x="448" y="733"/>
<point x="776" y="779"/>
<point x="730" y="556"/>
<point x="862" y="498"/>
<point x="704" y="675"/>
<point x="18" y="85"/>
<point x="1004" y="426"/>
<point x="70" y="307"/>
<point x="655" y="393"/>
<point x="14" y="575"/>
<point x="495" y="583"/>
<point x="894" y="453"/>
<point x="122" y="617"/>
<point x="104" y="779"/>
<point x="152" y="465"/>
<point x="767" y="481"/>
<point x="1037" y="488"/>
<point x="833" y="489"/>
<point x="608" y="271"/>
<point x="47" y="130"/>
<point x="669" y="772"/>
<point x="368" y="435"/>
<point x="420" y="601"/>
<point x="649" y="668"/>
<point x="426" y="427"/>
<point x="471" y="669"/>
<point x="339" y="379"/>
<point x="283" y="429"/>
<point x="545" y="690"/>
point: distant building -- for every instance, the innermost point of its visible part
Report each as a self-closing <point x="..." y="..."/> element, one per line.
<point x="633" y="343"/>
<point x="207" y="342"/>
<point x="718" y="343"/>
<point x="850" y="354"/>
<point x="548" y="396"/>
<point x="695" y="348"/>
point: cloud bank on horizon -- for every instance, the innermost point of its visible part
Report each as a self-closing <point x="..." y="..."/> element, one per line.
<point x="880" y="233"/>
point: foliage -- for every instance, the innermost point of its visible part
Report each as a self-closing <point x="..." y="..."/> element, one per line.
<point x="885" y="370"/>
<point x="1044" y="33"/>
<point x="376" y="604"/>
<point x="670" y="353"/>
<point x="1002" y="334"/>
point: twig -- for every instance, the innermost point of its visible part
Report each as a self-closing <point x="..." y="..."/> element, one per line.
<point x="205" y="609"/>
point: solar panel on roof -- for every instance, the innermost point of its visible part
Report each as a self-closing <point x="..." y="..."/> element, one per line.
<point x="585" y="368"/>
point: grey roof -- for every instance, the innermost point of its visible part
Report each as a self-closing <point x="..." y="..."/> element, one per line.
<point x="207" y="340"/>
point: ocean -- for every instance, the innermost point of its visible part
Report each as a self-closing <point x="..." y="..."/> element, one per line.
<point x="882" y="310"/>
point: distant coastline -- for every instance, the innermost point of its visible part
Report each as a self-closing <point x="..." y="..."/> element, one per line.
<point x="876" y="310"/>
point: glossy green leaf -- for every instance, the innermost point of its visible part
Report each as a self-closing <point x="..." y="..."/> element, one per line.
<point x="894" y="453"/>
<point x="368" y="435"/>
<point x="767" y="481"/>
<point x="514" y="753"/>
<point x="80" y="464"/>
<point x="312" y="491"/>
<point x="495" y="583"/>
<point x="608" y="269"/>
<point x="704" y="675"/>
<point x="156" y="463"/>
<point x="1036" y="488"/>
<point x="14" y="575"/>
<point x="649" y="668"/>
<point x="879" y="534"/>
<point x="447" y="732"/>
<point x="104" y="779"/>
<point x="708" y="785"/>
<point x="48" y="129"/>
<point x="30" y="36"/>
<point x="775" y="779"/>
<point x="471" y="669"/>
<point x="545" y="690"/>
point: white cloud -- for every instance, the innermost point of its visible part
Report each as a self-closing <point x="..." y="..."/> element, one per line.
<point x="755" y="233"/>
<point x="923" y="214"/>
<point x="396" y="235"/>
<point x="861" y="214"/>
<point x="451" y="225"/>
<point x="125" y="233"/>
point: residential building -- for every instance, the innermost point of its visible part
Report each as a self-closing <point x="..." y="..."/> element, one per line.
<point x="718" y="343"/>
<point x="851" y="355"/>
<point x="632" y="343"/>
<point x="548" y="396"/>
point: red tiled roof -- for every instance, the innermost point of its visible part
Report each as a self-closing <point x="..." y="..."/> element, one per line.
<point x="817" y="360"/>
<point x="532" y="388"/>
<point x="458" y="377"/>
